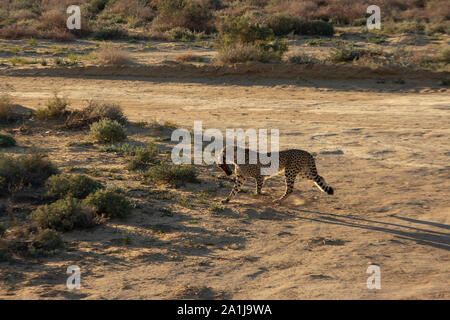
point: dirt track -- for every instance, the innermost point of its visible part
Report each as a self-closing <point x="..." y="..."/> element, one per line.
<point x="384" y="147"/>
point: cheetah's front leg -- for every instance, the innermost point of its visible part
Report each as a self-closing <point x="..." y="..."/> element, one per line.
<point x="236" y="188"/>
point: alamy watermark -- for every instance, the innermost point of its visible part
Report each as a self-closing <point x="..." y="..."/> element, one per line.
<point x="190" y="150"/>
<point x="74" y="280"/>
<point x="74" y="20"/>
<point x="374" y="281"/>
<point x="374" y="21"/>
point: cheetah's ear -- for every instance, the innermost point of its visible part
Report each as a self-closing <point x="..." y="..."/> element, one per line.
<point x="225" y="168"/>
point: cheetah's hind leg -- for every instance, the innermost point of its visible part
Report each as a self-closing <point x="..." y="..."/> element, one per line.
<point x="290" y="180"/>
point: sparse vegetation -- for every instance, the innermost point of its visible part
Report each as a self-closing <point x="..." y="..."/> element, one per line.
<point x="56" y="108"/>
<point x="108" y="20"/>
<point x="107" y="131"/>
<point x="301" y="58"/>
<point x="217" y="208"/>
<point x="126" y="238"/>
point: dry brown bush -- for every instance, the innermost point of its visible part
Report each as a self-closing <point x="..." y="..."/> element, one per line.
<point x="109" y="54"/>
<point x="17" y="31"/>
<point x="240" y="52"/>
<point x="135" y="9"/>
<point x="157" y="35"/>
<point x="345" y="11"/>
<point x="60" y="4"/>
<point x="53" y="19"/>
<point x="94" y="112"/>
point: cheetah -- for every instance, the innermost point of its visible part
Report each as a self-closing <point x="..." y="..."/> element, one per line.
<point x="294" y="162"/>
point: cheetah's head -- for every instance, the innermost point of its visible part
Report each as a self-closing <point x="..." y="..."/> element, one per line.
<point x="225" y="168"/>
<point x="222" y="165"/>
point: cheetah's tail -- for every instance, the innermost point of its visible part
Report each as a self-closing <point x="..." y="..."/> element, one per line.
<point x="322" y="185"/>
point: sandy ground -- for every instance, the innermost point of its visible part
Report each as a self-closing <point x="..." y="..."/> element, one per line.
<point x="384" y="147"/>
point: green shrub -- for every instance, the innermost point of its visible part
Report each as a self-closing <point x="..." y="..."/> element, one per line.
<point x="242" y="41"/>
<point x="64" y="215"/>
<point x="445" y="55"/>
<point x="359" y="22"/>
<point x="315" y="27"/>
<point x="48" y="239"/>
<point x="217" y="208"/>
<point x="282" y="24"/>
<point x="345" y="53"/>
<point x="109" y="203"/>
<point x="107" y="131"/>
<point x="94" y="7"/>
<point x="142" y="156"/>
<point x="16" y="172"/>
<point x="170" y="173"/>
<point x="239" y="29"/>
<point x="437" y="27"/>
<point x="147" y="154"/>
<point x="110" y="33"/>
<point x="180" y="33"/>
<point x="190" y="14"/>
<point x="45" y="242"/>
<point x="77" y="186"/>
<point x="7" y="140"/>
<point x="56" y="108"/>
<point x="410" y="27"/>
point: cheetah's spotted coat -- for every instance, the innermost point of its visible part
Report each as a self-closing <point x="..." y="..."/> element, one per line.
<point x="294" y="162"/>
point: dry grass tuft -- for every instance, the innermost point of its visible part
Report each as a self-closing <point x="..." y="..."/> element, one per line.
<point x="240" y="52"/>
<point x="111" y="55"/>
<point x="189" y="57"/>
